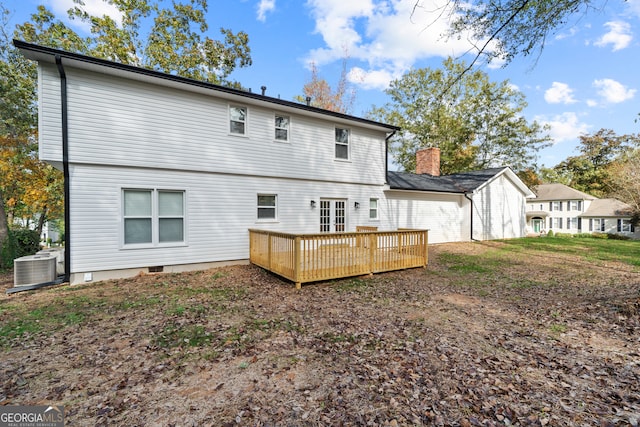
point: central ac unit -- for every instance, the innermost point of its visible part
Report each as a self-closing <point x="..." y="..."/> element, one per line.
<point x="33" y="270"/>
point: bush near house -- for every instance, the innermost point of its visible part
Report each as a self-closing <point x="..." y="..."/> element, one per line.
<point x="20" y="242"/>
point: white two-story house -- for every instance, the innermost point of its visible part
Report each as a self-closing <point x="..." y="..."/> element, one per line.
<point x="164" y="173"/>
<point x="563" y="209"/>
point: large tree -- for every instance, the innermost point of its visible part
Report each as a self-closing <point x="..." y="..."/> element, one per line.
<point x="174" y="41"/>
<point x="625" y="182"/>
<point x="590" y="171"/>
<point x="321" y="95"/>
<point x="476" y="123"/>
<point x="505" y="29"/>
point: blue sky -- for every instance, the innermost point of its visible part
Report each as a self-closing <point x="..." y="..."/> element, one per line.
<point x="587" y="77"/>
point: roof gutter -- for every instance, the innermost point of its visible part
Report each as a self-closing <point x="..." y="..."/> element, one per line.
<point x="386" y="156"/>
<point x="470" y="199"/>
<point x="65" y="166"/>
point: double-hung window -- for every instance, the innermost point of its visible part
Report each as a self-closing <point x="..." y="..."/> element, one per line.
<point x="572" y="223"/>
<point x="267" y="204"/>
<point x="342" y="144"/>
<point x="237" y="120"/>
<point x="152" y="217"/>
<point x="597" y="224"/>
<point x="556" y="206"/>
<point x="282" y="128"/>
<point x="373" y="208"/>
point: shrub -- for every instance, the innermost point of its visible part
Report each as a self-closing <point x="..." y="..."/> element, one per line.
<point x="21" y="242"/>
<point x="613" y="236"/>
<point x="550" y="233"/>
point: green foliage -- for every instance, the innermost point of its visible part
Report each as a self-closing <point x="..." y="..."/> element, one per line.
<point x="20" y="242"/>
<point x="550" y="233"/>
<point x="505" y="29"/>
<point x="175" y="42"/>
<point x="476" y="123"/>
<point x="592" y="171"/>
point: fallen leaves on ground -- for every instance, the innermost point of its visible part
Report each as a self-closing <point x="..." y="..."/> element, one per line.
<point x="547" y="341"/>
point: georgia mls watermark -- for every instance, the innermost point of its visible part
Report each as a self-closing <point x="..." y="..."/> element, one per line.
<point x="31" y="416"/>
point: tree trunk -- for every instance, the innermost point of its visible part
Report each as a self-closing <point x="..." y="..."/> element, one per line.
<point x="41" y="220"/>
<point x="4" y="232"/>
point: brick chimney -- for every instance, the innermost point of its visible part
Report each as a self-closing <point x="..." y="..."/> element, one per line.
<point x="428" y="161"/>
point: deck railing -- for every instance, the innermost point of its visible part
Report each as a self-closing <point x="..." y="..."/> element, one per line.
<point x="304" y="258"/>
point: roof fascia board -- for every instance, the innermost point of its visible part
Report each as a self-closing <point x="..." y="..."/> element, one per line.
<point x="75" y="60"/>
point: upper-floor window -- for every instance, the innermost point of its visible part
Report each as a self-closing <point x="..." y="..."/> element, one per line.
<point x="282" y="128"/>
<point x="342" y="143"/>
<point x="575" y="205"/>
<point x="153" y="216"/>
<point x="556" y="206"/>
<point x="267" y="204"/>
<point x="237" y="120"/>
<point x="373" y="208"/>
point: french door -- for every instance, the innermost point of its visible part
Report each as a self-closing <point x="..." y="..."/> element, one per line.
<point x="333" y="214"/>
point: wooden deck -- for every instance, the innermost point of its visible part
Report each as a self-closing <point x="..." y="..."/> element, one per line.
<point x="304" y="258"/>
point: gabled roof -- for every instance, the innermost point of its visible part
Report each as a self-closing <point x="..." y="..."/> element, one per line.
<point x="550" y="192"/>
<point x="607" y="208"/>
<point x="47" y="54"/>
<point x="464" y="182"/>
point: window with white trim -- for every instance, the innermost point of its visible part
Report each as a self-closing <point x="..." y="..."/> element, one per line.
<point x="282" y="128"/>
<point x="555" y="223"/>
<point x="597" y="224"/>
<point x="237" y="120"/>
<point x="556" y="206"/>
<point x="267" y="207"/>
<point x="342" y="143"/>
<point x="373" y="208"/>
<point x="625" y="226"/>
<point x="153" y="217"/>
<point x="572" y="223"/>
<point x="575" y="205"/>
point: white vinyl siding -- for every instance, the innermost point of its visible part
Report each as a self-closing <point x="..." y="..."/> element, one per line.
<point x="137" y="123"/>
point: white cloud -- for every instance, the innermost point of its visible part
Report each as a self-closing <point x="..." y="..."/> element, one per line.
<point x="92" y="7"/>
<point x="634" y="7"/>
<point x="264" y="7"/>
<point x="375" y="79"/>
<point x="592" y="103"/>
<point x="564" y="127"/>
<point x="612" y="91"/>
<point x="619" y="35"/>
<point x="559" y="93"/>
<point x="387" y="35"/>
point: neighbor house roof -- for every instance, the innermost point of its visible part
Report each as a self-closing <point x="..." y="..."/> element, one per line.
<point x="47" y="54"/>
<point x="464" y="182"/>
<point x="559" y="192"/>
<point x="607" y="208"/>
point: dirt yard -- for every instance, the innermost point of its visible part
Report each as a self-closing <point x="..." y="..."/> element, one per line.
<point x="517" y="338"/>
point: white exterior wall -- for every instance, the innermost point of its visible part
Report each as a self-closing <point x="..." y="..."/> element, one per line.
<point x="446" y="216"/>
<point x="116" y="121"/>
<point x="499" y="211"/>
<point x="219" y="211"/>
<point x="128" y="134"/>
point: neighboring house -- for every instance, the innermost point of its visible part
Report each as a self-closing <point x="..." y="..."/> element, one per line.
<point x="565" y="210"/>
<point x="479" y="205"/>
<point x="164" y="173"/>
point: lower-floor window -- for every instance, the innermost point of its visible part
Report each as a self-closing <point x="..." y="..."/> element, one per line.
<point x="153" y="216"/>
<point x="625" y="226"/>
<point x="597" y="224"/>
<point x="572" y="223"/>
<point x="555" y="223"/>
<point x="267" y="204"/>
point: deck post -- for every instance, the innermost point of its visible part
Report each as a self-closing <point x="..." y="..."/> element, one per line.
<point x="297" y="266"/>
<point x="269" y="242"/>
